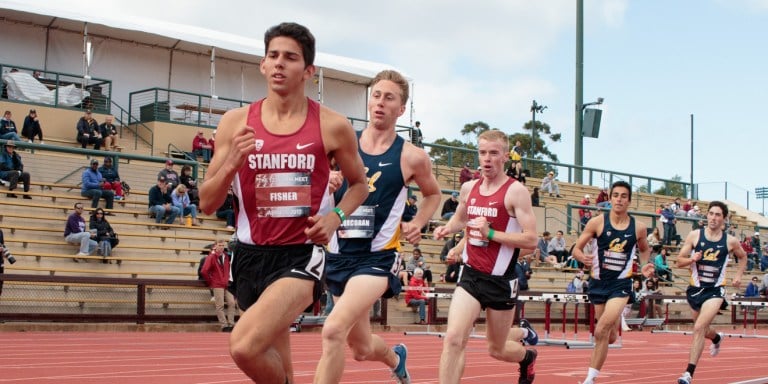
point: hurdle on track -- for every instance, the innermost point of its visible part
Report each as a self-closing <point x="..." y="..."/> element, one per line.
<point x="433" y="296"/>
<point x="747" y="305"/>
<point x="667" y="302"/>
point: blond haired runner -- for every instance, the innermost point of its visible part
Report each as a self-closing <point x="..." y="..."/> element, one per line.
<point x="365" y="253"/>
<point x="496" y="213"/>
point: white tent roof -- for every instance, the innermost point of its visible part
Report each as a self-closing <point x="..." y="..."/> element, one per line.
<point x="175" y="36"/>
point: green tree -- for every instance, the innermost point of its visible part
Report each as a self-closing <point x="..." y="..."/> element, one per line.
<point x="463" y="153"/>
<point x="672" y="188"/>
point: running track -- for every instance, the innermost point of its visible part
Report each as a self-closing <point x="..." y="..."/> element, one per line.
<point x="202" y="358"/>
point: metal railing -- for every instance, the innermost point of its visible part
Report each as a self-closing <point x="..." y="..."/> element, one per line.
<point x="58" y="89"/>
<point x="160" y="104"/>
<point x="140" y="130"/>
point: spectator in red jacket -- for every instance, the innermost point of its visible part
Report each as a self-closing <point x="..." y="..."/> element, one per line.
<point x="201" y="147"/>
<point x="416" y="294"/>
<point x="465" y="175"/>
<point x="215" y="271"/>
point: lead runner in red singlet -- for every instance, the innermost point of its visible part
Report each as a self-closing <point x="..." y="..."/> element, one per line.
<point x="276" y="154"/>
<point x="496" y="211"/>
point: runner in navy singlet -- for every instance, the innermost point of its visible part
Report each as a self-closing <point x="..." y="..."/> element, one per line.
<point x="496" y="213"/>
<point x="365" y="253"/>
<point x="275" y="153"/>
<point x="616" y="238"/>
<point x="706" y="251"/>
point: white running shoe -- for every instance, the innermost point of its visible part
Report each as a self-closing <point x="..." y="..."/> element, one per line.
<point x="685" y="378"/>
<point x="714" y="349"/>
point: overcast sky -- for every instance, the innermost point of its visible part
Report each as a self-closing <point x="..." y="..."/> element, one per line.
<point x="655" y="62"/>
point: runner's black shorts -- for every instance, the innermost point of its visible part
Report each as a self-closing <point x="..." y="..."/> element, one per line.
<point x="696" y="296"/>
<point x="600" y="291"/>
<point x="255" y="267"/>
<point x="494" y="292"/>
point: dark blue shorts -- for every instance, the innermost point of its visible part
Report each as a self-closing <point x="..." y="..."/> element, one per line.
<point x="696" y="296"/>
<point x="340" y="268"/>
<point x="495" y="292"/>
<point x="254" y="268"/>
<point x="600" y="291"/>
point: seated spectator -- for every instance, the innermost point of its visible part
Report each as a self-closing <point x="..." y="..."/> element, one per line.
<point x="416" y="294"/>
<point x="111" y="179"/>
<point x="523" y="271"/>
<point x="753" y="289"/>
<point x="687" y="206"/>
<point x="227" y="209"/>
<point x="752" y="259"/>
<point x="515" y="172"/>
<point x="410" y="209"/>
<point x="200" y="146"/>
<point x="180" y="200"/>
<point x="660" y="263"/>
<point x="31" y="127"/>
<point x="416" y="261"/>
<point x="542" y="248"/>
<point x="88" y="131"/>
<point x="161" y="203"/>
<point x="75" y="233"/>
<point x="557" y="247"/>
<point x="12" y="169"/>
<point x="549" y="185"/>
<point x="576" y="285"/>
<point x="695" y="211"/>
<point x="465" y="174"/>
<point x="8" y="129"/>
<point x="449" y="206"/>
<point x="584" y="213"/>
<point x="452" y="271"/>
<point x="92" y="186"/>
<point x="450" y="243"/>
<point x="169" y="174"/>
<point x="108" y="133"/>
<point x="215" y="272"/>
<point x="652" y="288"/>
<point x="105" y="235"/>
<point x="654" y="238"/>
<point x="603" y="200"/>
<point x="191" y="184"/>
<point x="535" y="197"/>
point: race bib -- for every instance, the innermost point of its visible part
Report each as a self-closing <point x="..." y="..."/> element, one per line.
<point x="358" y="225"/>
<point x="283" y="194"/>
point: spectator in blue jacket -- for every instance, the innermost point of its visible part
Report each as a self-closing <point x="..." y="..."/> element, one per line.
<point x="180" y="200"/>
<point x="753" y="289"/>
<point x="161" y="203"/>
<point x="669" y="220"/>
<point x="8" y="129"/>
<point x="92" y="186"/>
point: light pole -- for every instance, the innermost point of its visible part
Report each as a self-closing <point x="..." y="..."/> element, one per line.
<point x="540" y="109"/>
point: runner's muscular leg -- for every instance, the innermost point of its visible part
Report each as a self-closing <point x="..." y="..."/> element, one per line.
<point x="349" y="310"/>
<point x="498" y="329"/>
<point x="605" y="330"/>
<point x="462" y="313"/>
<point x="701" y="327"/>
<point x="259" y="344"/>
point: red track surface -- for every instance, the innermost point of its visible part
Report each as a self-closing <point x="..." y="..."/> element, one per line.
<point x="171" y="358"/>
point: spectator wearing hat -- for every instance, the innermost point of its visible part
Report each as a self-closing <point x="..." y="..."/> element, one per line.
<point x="108" y="133"/>
<point x="8" y="129"/>
<point x="449" y="206"/>
<point x="111" y="178"/>
<point x="161" y="203"/>
<point x="200" y="146"/>
<point x="171" y="177"/>
<point x="88" y="131"/>
<point x="31" y="127"/>
<point x="549" y="185"/>
<point x="465" y="175"/>
<point x="12" y="169"/>
<point x="584" y="213"/>
<point x="410" y="209"/>
<point x="93" y="186"/>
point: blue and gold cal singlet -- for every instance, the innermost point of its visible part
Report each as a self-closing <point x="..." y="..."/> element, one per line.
<point x="613" y="250"/>
<point x="709" y="271"/>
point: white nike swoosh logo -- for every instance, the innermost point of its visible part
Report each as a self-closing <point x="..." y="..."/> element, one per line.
<point x="627" y="235"/>
<point x="492" y="203"/>
<point x="384" y="164"/>
<point x="300" y="147"/>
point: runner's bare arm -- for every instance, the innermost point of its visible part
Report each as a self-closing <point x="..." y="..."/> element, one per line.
<point x="420" y="168"/>
<point x="340" y="143"/>
<point x="642" y="242"/>
<point x="684" y="258"/>
<point x="590" y="231"/>
<point x="233" y="143"/>
<point x="459" y="219"/>
<point x="741" y="256"/>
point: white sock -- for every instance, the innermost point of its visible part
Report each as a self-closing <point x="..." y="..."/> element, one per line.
<point x="592" y="374"/>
